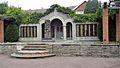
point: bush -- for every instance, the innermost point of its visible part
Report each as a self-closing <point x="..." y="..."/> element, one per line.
<point x="11" y="33"/>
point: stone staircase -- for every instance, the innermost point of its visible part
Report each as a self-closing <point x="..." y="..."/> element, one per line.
<point x="33" y="51"/>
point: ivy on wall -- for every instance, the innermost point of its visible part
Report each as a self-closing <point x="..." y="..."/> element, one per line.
<point x="85" y="18"/>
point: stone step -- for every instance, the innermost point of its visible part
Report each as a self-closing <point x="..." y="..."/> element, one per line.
<point x="32" y="52"/>
<point x="34" y="49"/>
<point x="31" y="55"/>
<point x="36" y="46"/>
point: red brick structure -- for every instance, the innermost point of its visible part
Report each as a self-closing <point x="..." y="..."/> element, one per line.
<point x="1" y="31"/>
<point x="80" y="8"/>
<point x="105" y="24"/>
<point x="118" y="26"/>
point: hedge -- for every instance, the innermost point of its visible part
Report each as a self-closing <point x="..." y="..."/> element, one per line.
<point x="11" y="33"/>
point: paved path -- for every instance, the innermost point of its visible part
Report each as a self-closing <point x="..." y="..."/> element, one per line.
<point x="59" y="62"/>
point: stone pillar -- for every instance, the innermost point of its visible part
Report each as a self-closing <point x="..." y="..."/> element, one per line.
<point x="28" y="32"/>
<point x="118" y="26"/>
<point x="64" y="32"/>
<point x="25" y="32"/>
<point x="1" y="31"/>
<point x="105" y="24"/>
<point x="85" y="29"/>
<point x="34" y="31"/>
<point x="40" y="31"/>
<point x="89" y="30"/>
<point x="93" y="30"/>
<point x="31" y="31"/>
<point x="48" y="29"/>
<point x="81" y="30"/>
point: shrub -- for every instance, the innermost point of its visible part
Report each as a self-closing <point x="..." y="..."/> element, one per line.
<point x="11" y="33"/>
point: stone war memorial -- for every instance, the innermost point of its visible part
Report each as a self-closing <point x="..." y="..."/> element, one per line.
<point x="58" y="34"/>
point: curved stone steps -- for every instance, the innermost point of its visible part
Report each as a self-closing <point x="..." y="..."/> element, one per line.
<point x="31" y="55"/>
<point x="33" y="51"/>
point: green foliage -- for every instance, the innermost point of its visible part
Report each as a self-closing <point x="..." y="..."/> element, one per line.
<point x="19" y="15"/>
<point x="92" y="6"/>
<point x="11" y="33"/>
<point x="85" y="18"/>
<point x="35" y="17"/>
<point x="59" y="9"/>
<point x="3" y="7"/>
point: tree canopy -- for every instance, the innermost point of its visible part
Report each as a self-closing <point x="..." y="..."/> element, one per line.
<point x="3" y="7"/>
<point x="92" y="6"/>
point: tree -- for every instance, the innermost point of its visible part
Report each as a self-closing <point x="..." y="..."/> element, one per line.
<point x="92" y="6"/>
<point x="20" y="16"/>
<point x="3" y="7"/>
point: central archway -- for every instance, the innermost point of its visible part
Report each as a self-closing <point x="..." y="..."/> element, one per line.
<point x="57" y="29"/>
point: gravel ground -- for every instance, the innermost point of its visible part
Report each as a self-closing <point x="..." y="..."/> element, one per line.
<point x="59" y="62"/>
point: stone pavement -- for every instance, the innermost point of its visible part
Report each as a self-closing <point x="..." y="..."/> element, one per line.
<point x="59" y="62"/>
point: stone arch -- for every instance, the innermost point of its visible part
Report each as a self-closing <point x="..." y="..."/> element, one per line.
<point x="57" y="28"/>
<point x="69" y="30"/>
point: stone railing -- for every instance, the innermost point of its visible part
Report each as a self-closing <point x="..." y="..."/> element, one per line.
<point x="98" y="50"/>
<point x="8" y="48"/>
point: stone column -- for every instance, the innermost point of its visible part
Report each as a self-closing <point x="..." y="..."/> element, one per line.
<point x="25" y="32"/>
<point x="89" y="29"/>
<point x="31" y="28"/>
<point x="35" y="33"/>
<point x="64" y="32"/>
<point x="105" y="24"/>
<point x="118" y="26"/>
<point x="1" y="31"/>
<point x="85" y="29"/>
<point x="40" y="31"/>
<point x="93" y="30"/>
<point x="28" y="34"/>
<point x="81" y="30"/>
<point x="21" y="31"/>
<point x="48" y="29"/>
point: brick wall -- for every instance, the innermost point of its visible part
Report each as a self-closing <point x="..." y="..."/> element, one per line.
<point x="1" y="31"/>
<point x="105" y="25"/>
<point x="118" y="26"/>
<point x="81" y="7"/>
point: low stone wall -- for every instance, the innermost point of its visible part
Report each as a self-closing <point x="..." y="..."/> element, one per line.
<point x="96" y="50"/>
<point x="8" y="48"/>
<point x="99" y="50"/>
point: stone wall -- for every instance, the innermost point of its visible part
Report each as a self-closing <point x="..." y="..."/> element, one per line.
<point x="112" y="50"/>
<point x="8" y="49"/>
<point x="98" y="50"/>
